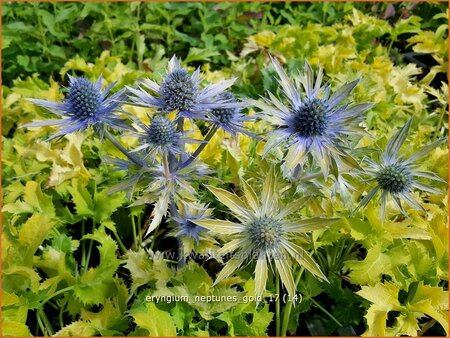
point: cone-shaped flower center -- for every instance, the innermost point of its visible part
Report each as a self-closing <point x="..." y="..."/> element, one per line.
<point x="310" y="119"/>
<point x="162" y="131"/>
<point x="265" y="232"/>
<point x="225" y="115"/>
<point x="178" y="91"/>
<point x="84" y="98"/>
<point x="394" y="178"/>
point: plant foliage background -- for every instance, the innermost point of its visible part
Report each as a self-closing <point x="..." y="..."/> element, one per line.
<point x="386" y="278"/>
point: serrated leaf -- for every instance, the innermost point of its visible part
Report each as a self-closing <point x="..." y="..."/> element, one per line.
<point x="34" y="200"/>
<point x="158" y="323"/>
<point x="15" y="329"/>
<point x="369" y="270"/>
<point x="140" y="266"/>
<point x="79" y="328"/>
<point x="82" y="198"/>
<point x="106" y="204"/>
<point x="98" y="283"/>
<point x="109" y="318"/>
<point x="20" y="278"/>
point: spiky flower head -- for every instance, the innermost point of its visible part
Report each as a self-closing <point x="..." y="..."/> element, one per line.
<point x="265" y="232"/>
<point x="160" y="137"/>
<point x="230" y="119"/>
<point x="312" y="122"/>
<point x="178" y="91"/>
<point x="181" y="92"/>
<point x="85" y="105"/>
<point x="186" y="218"/>
<point x="162" y="131"/>
<point x="192" y="236"/>
<point x="169" y="182"/>
<point x="397" y="176"/>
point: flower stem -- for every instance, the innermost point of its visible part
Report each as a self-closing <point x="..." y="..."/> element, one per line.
<point x="131" y="156"/>
<point x="174" y="213"/>
<point x="57" y="293"/>
<point x="181" y="260"/>
<point x="288" y="308"/>
<point x="166" y="166"/>
<point x="40" y="323"/>
<point x="325" y="311"/>
<point x="61" y="313"/>
<point x="202" y="146"/>
<point x="133" y="227"/>
<point x="441" y="119"/>
<point x="83" y="245"/>
<point x="121" y="245"/>
<point x="277" y="306"/>
<point x="88" y="256"/>
<point x="139" y="231"/>
<point x="46" y="322"/>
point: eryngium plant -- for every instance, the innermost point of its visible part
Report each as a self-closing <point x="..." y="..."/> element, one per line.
<point x="265" y="233"/>
<point x="397" y="175"/>
<point x="182" y="93"/>
<point x="85" y="105"/>
<point x="312" y="121"/>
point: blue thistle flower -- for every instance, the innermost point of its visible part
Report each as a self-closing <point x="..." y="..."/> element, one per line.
<point x="160" y="137"/>
<point x="168" y="182"/>
<point x="397" y="176"/>
<point x="264" y="231"/>
<point x="181" y="92"/>
<point x="230" y="119"/>
<point x="186" y="217"/>
<point x="85" y="105"/>
<point x="178" y="91"/>
<point x="314" y="122"/>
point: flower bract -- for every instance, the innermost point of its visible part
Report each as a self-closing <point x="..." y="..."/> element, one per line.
<point x="265" y="233"/>
<point x="85" y="105"/>
<point x="312" y="121"/>
<point x="397" y="176"/>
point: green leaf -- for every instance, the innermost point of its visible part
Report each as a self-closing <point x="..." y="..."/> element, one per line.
<point x="23" y="60"/>
<point x="140" y="266"/>
<point x="385" y="299"/>
<point x="82" y="198"/>
<point x="369" y="270"/>
<point x="158" y="323"/>
<point x="98" y="283"/>
<point x="15" y="314"/>
<point x="432" y="301"/>
<point x="182" y="315"/>
<point x="57" y="51"/>
<point x="239" y="325"/>
<point x="19" y="251"/>
<point x="197" y="54"/>
<point x="14" y="329"/>
<point x="427" y="300"/>
<point x="20" y="278"/>
<point x="49" y="21"/>
<point x="106" y="204"/>
<point x="108" y="319"/>
<point x="79" y="328"/>
<point x="34" y="200"/>
<point x="196" y="279"/>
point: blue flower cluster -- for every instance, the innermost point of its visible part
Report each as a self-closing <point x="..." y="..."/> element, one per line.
<point x="311" y="125"/>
